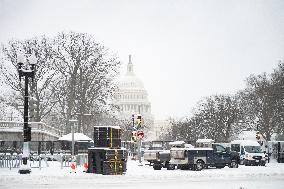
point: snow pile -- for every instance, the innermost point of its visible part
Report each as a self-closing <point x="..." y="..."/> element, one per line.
<point x="141" y="177"/>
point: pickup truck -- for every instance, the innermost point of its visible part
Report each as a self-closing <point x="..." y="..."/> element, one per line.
<point x="158" y="158"/>
<point x="199" y="158"/>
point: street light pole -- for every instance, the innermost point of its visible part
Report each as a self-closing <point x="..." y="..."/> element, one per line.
<point x="27" y="71"/>
<point x="73" y="140"/>
<point x="26" y="119"/>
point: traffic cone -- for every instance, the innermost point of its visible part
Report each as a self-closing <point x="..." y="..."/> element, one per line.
<point x="85" y="165"/>
<point x="73" y="167"/>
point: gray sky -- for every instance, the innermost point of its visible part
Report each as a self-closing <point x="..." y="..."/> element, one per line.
<point x="181" y="50"/>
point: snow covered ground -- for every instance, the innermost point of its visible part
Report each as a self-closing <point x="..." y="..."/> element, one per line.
<point x="271" y="176"/>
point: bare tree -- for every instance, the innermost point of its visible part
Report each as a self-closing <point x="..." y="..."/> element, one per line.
<point x="86" y="81"/>
<point x="263" y="102"/>
<point x="277" y="79"/>
<point x="39" y="86"/>
<point x="216" y="117"/>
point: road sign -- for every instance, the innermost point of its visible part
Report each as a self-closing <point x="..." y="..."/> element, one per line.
<point x="140" y="134"/>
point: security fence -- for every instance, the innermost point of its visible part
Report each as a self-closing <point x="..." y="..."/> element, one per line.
<point x="10" y="161"/>
<point x="44" y="147"/>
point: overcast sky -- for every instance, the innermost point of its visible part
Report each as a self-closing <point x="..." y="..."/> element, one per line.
<point x="181" y="50"/>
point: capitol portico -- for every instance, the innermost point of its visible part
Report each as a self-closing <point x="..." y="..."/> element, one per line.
<point x="131" y="97"/>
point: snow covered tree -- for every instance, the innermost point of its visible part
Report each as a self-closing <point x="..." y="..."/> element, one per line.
<point x="263" y="102"/>
<point x="40" y="87"/>
<point x="217" y="117"/>
<point x="181" y="129"/>
<point x="74" y="79"/>
<point x="86" y="81"/>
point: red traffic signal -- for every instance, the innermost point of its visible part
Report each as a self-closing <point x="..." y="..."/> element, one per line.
<point x="134" y="136"/>
<point x="257" y="136"/>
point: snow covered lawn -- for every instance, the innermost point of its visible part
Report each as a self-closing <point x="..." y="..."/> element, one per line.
<point x="271" y="176"/>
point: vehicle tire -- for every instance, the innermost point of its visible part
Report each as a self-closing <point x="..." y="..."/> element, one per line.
<point x="234" y="164"/>
<point x="199" y="165"/>
<point x="171" y="167"/>
<point x="157" y="167"/>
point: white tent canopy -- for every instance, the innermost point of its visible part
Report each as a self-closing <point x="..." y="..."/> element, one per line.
<point x="77" y="137"/>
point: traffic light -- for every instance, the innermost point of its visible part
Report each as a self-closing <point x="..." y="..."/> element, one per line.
<point x="132" y="117"/>
<point x="139" y="120"/>
<point x="257" y="135"/>
<point x="134" y="136"/>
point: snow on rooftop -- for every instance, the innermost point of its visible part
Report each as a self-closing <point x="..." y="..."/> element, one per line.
<point x="77" y="137"/>
<point x="165" y="152"/>
<point x="112" y="126"/>
<point x="188" y="146"/>
<point x="246" y="142"/>
<point x="205" y="140"/>
<point x="176" y="143"/>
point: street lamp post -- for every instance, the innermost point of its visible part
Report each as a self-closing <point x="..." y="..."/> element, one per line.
<point x="72" y="130"/>
<point x="26" y="70"/>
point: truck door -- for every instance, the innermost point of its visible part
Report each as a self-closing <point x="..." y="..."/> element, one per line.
<point x="220" y="155"/>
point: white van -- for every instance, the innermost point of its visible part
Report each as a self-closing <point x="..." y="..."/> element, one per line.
<point x="250" y="152"/>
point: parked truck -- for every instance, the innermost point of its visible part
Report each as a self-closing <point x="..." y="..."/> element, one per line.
<point x="209" y="155"/>
<point x="158" y="156"/>
<point x="178" y="153"/>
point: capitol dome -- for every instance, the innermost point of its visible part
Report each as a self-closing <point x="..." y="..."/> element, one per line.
<point x="130" y="82"/>
<point x="131" y="96"/>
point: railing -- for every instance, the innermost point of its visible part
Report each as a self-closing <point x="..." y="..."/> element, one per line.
<point x="10" y="161"/>
<point x="36" y="126"/>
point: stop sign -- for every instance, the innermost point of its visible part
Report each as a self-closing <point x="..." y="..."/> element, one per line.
<point x="140" y="134"/>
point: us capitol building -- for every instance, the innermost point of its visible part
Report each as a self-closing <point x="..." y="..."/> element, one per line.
<point x="132" y="98"/>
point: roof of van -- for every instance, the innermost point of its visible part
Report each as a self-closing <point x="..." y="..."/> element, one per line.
<point x="246" y="142"/>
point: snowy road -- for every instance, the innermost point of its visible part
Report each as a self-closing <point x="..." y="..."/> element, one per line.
<point x="271" y="176"/>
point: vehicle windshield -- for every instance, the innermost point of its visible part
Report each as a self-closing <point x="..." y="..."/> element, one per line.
<point x="253" y="149"/>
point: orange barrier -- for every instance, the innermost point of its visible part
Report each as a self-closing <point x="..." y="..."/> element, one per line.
<point x="85" y="165"/>
<point x="73" y="167"/>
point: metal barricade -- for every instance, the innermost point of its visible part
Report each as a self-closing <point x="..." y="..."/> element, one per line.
<point x="10" y="161"/>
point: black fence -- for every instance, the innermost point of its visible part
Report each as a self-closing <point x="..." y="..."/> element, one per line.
<point x="10" y="161"/>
